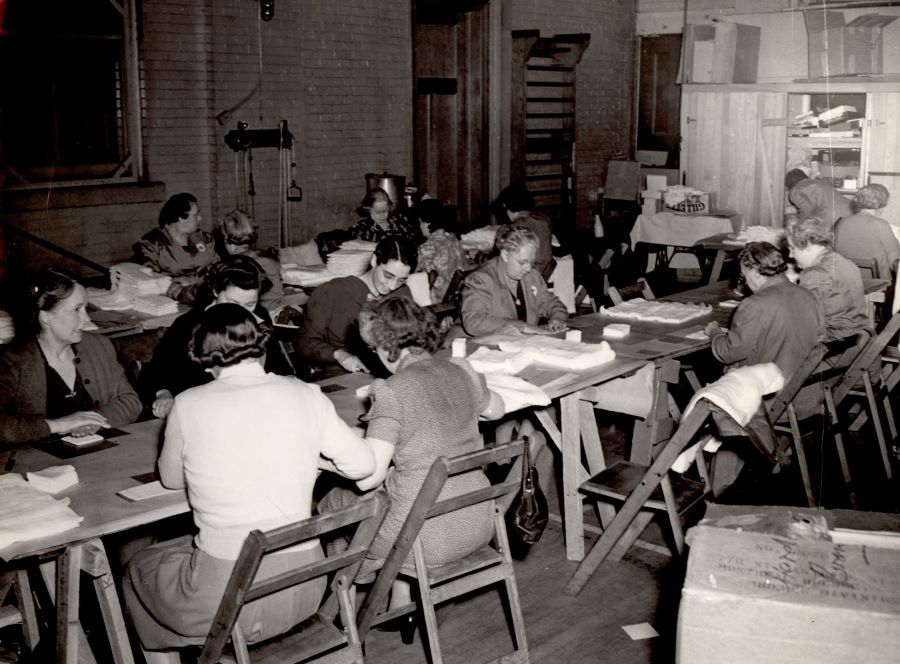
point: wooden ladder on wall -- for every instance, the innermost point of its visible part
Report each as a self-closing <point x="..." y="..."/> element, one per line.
<point x="543" y="120"/>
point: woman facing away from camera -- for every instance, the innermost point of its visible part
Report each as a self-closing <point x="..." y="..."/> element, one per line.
<point x="247" y="447"/>
<point x="865" y="235"/>
<point x="329" y="339"/>
<point x="429" y="407"/>
<point x="55" y="378"/>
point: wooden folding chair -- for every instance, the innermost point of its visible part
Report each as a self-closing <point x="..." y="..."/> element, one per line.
<point x="23" y="612"/>
<point x="489" y="565"/>
<point x="638" y="288"/>
<point x="317" y="639"/>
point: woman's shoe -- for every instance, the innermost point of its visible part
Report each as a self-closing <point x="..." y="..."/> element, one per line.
<point x="406" y="625"/>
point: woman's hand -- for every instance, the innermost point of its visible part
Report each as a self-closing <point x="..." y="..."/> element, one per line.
<point x="712" y="329"/>
<point x="557" y="326"/>
<point x="81" y="423"/>
<point x="349" y="361"/>
<point x="162" y="404"/>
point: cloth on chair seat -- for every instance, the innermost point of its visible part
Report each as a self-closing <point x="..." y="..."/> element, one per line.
<point x="740" y="391"/>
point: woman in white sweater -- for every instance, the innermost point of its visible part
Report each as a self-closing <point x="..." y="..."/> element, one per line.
<point x="248" y="447"/>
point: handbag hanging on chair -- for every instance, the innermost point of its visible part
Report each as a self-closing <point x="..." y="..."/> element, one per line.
<point x="529" y="509"/>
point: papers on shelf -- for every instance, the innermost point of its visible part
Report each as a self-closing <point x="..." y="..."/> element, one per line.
<point x="26" y="513"/>
<point x="53" y="479"/>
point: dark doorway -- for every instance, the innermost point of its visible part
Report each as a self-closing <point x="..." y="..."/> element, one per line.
<point x="659" y="99"/>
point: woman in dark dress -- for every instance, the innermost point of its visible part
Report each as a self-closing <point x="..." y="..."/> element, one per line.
<point x="238" y="280"/>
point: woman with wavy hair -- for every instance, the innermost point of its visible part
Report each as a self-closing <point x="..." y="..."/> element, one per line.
<point x="247" y="447"/>
<point x="428" y="408"/>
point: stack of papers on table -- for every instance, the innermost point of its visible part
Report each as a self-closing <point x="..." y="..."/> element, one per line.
<point x="360" y="245"/>
<point x="155" y="305"/>
<point x="26" y="513"/>
<point x="53" y="479"/>
<point x="560" y="353"/>
<point x="109" y="300"/>
<point x="481" y="239"/>
<point x="308" y="276"/>
<point x="346" y="262"/>
<point x="134" y="280"/>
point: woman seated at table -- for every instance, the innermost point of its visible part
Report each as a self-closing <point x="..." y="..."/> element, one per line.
<point x="834" y="280"/>
<point x="817" y="198"/>
<point x="381" y="219"/>
<point x="247" y="447"/>
<point x="507" y="295"/>
<point x="55" y="378"/>
<point x="780" y="322"/>
<point x="441" y="253"/>
<point x="515" y="206"/>
<point x="179" y="246"/>
<point x="329" y="339"/>
<point x="237" y="235"/>
<point x="237" y="279"/>
<point x="864" y="235"/>
<point x="428" y="408"/>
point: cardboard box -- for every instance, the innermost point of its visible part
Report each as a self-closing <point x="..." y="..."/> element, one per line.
<point x="752" y="597"/>
<point x="693" y="204"/>
<point x="837" y="48"/>
<point x="721" y="53"/>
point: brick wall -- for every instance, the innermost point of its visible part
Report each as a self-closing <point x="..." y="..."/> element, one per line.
<point x="605" y="79"/>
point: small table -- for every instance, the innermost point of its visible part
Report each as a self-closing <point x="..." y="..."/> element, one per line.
<point x="670" y="233"/>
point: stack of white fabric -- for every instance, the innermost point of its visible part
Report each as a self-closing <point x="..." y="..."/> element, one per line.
<point x="155" y="305"/>
<point x="484" y="360"/>
<point x="109" y="300"/>
<point x="561" y="353"/>
<point x="26" y="513"/>
<point x="346" y="262"/>
<point x="481" y="239"/>
<point x="309" y="276"/>
<point x="134" y="280"/>
<point x="53" y="479"/>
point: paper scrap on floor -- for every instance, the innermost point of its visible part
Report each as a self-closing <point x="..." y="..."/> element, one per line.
<point x="640" y="631"/>
<point x="26" y="513"/>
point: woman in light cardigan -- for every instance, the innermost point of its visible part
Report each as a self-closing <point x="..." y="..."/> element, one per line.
<point x="248" y="447"/>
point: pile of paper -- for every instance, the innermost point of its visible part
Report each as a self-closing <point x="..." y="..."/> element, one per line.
<point x="155" y="305"/>
<point x="109" y="300"/>
<point x="53" y="479"/>
<point x="560" y="353"/>
<point x="134" y="280"/>
<point x="308" y="276"/>
<point x="26" y="513"/>
<point x="481" y="239"/>
<point x="345" y="262"/>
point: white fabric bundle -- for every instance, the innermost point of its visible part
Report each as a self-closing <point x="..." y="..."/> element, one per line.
<point x="484" y="360"/>
<point x="26" y="513"/>
<point x="53" y="479"/>
<point x="560" y="353"/>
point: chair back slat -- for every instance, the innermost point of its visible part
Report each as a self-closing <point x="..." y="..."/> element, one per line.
<point x="441" y="469"/>
<point x="866" y="358"/>
<point x="474" y="497"/>
<point x="641" y="288"/>
<point x="367" y="513"/>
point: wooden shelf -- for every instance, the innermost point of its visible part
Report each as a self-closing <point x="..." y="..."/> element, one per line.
<point x="823" y="142"/>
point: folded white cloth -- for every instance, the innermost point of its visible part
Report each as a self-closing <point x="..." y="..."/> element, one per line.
<point x="53" y="479"/>
<point x="560" y="353"/>
<point x="685" y="459"/>
<point x="485" y="360"/>
<point x="516" y="392"/>
<point x="480" y="239"/>
<point x="26" y="513"/>
<point x="109" y="300"/>
<point x="740" y="391"/>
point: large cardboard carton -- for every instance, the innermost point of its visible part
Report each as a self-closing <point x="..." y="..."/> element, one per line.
<point x="838" y="48"/>
<point x="752" y="597"/>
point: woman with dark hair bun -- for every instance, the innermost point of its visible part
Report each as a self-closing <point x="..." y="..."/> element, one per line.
<point x="247" y="447"/>
<point x="56" y="378"/>
<point x="329" y="339"/>
<point x="236" y="279"/>
<point x="428" y="408"/>
<point x="781" y="322"/>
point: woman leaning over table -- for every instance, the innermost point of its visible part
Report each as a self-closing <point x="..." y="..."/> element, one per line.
<point x="179" y="246"/>
<point x="238" y="280"/>
<point x="329" y="338"/>
<point x="248" y="447"/>
<point x="507" y="295"/>
<point x="834" y="280"/>
<point x="428" y="408"/>
<point x="56" y="378"/>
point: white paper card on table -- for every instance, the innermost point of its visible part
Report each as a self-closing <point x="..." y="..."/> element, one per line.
<point x="640" y="631"/>
<point x="144" y="491"/>
<point x="363" y="391"/>
<point x="699" y="334"/>
<point x="78" y="441"/>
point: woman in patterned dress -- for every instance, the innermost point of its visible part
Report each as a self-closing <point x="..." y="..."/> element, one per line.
<point x="428" y="408"/>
